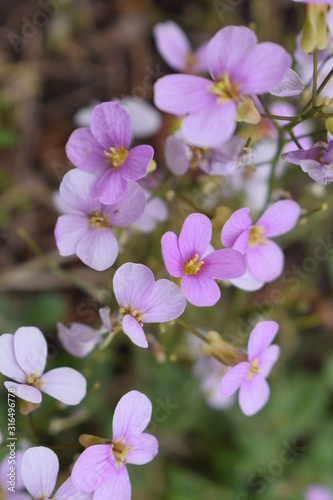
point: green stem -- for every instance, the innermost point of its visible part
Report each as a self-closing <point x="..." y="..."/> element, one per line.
<point x="315" y="75"/>
<point x="191" y="329"/>
<point x="274" y="164"/>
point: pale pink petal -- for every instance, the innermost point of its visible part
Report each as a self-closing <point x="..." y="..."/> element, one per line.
<point x="79" y="340"/>
<point x="84" y="151"/>
<point x="131" y="416"/>
<point x="233" y="379"/>
<point x="93" y="467"/>
<point x="317" y="492"/>
<point x="39" y="471"/>
<point x="261" y="337"/>
<point x="195" y="236"/>
<point x="290" y="85"/>
<point x="30" y="349"/>
<point x="26" y="392"/>
<point x="263" y="68"/>
<point x="228" y="48"/>
<point x="144" y="449"/>
<point x="242" y="242"/>
<point x="265" y="262"/>
<point x="200" y="290"/>
<point x="224" y="264"/>
<point x="104" y="314"/>
<point x="134" y="331"/>
<point x="166" y="303"/>
<point x="68" y="231"/>
<point x="75" y="190"/>
<point x="65" y="385"/>
<point x="172" y="257"/>
<point x="268" y="359"/>
<point x="9" y="366"/>
<point x="98" y="248"/>
<point x="253" y="395"/>
<point x="247" y="282"/>
<point x="211" y="125"/>
<point x="279" y="218"/>
<point x="110" y="124"/>
<point x="172" y="44"/>
<point x="132" y="283"/>
<point x="182" y="94"/>
<point x="109" y="187"/>
<point x="136" y="163"/>
<point x="116" y="487"/>
<point x="176" y="156"/>
<point x="129" y="208"/>
<point x="68" y="491"/>
<point x="239" y="222"/>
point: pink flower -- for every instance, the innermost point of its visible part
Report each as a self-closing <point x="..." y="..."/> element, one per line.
<point x="142" y="300"/>
<point x="240" y="68"/>
<point x="190" y="258"/>
<point x="156" y="211"/>
<point x="23" y="358"/>
<point x="105" y="148"/>
<point x="250" y="377"/>
<point x="318" y="492"/>
<point x="87" y="230"/>
<point x="39" y="471"/>
<point x="175" y="48"/>
<point x="102" y="468"/>
<point x="264" y="258"/>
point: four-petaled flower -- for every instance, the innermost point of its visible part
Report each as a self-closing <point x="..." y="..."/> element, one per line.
<point x="250" y="376"/>
<point x="87" y="230"/>
<point x="105" y="148"/>
<point x="144" y="300"/>
<point x="264" y="258"/>
<point x="191" y="258"/>
<point x="102" y="467"/>
<point x="23" y="358"/>
<point x="239" y="67"/>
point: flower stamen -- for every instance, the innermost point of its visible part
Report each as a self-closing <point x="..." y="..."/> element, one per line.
<point x="120" y="451"/>
<point x="255" y="236"/>
<point x="193" y="266"/>
<point x="116" y="156"/>
<point x="254" y="369"/>
<point x="98" y="221"/>
<point x="225" y="89"/>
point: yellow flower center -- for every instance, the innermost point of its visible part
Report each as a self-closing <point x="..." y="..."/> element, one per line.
<point x="255" y="236"/>
<point x="34" y="380"/>
<point x="98" y="221"/>
<point x="116" y="156"/>
<point x="254" y="370"/>
<point x="225" y="89"/>
<point x="193" y="266"/>
<point x="137" y="315"/>
<point x="120" y="451"/>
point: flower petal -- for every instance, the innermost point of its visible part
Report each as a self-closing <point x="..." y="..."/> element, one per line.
<point x="67" y="491"/>
<point x="290" y="85"/>
<point x="117" y="486"/>
<point x="317" y="492"/>
<point x="133" y="284"/>
<point x="239" y="222"/>
<point x="109" y="187"/>
<point x="131" y="416"/>
<point x="9" y="366"/>
<point x="30" y="349"/>
<point x="166" y="303"/>
<point x="265" y="262"/>
<point x="182" y="94"/>
<point x="65" y="385"/>
<point x="79" y="340"/>
<point x="84" y="151"/>
<point x="75" y="190"/>
<point x="247" y="282"/>
<point x="200" y="290"/>
<point x="93" y="468"/>
<point x="136" y="163"/>
<point x="233" y="379"/>
<point x="195" y="236"/>
<point x="224" y="264"/>
<point x="129" y="208"/>
<point x="172" y="257"/>
<point x="279" y="218"/>
<point x="134" y="331"/>
<point x="261" y="337"/>
<point x="26" y="392"/>
<point x="111" y="126"/>
<point x="98" y="248"/>
<point x="263" y="68"/>
<point x="39" y="471"/>
<point x="228" y="48"/>
<point x="144" y="449"/>
<point x="268" y="359"/>
<point x="253" y="395"/>
<point x="211" y="125"/>
<point x="172" y="44"/>
<point x="68" y="231"/>
<point x="176" y="157"/>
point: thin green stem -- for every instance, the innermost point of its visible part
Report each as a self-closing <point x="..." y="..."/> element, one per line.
<point x="294" y="138"/>
<point x="315" y="75"/>
<point x="274" y="164"/>
<point x="191" y="329"/>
